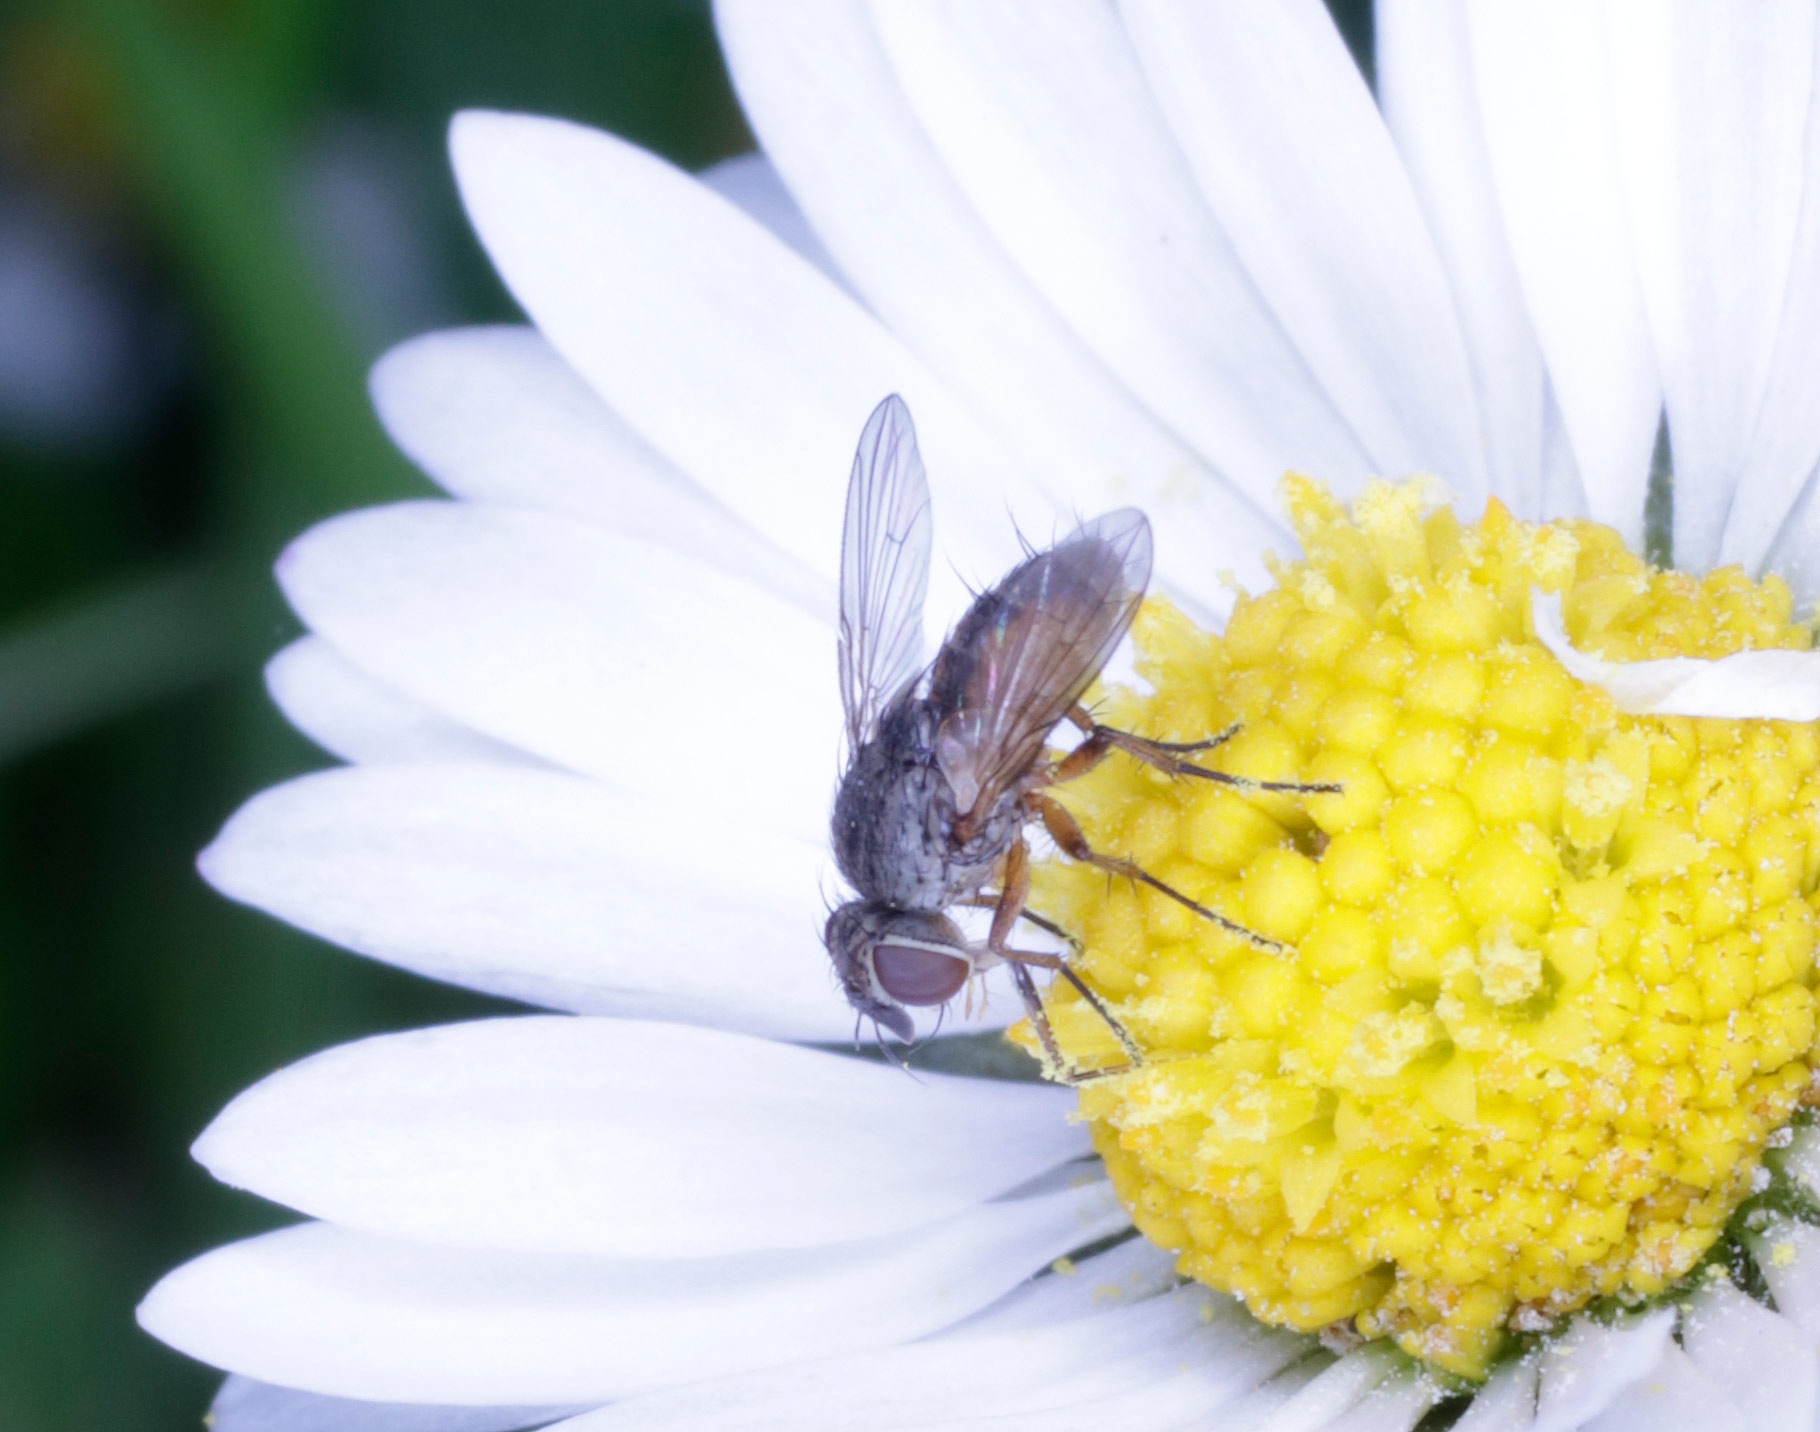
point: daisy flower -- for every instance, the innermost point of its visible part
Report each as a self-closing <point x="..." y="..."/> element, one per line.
<point x="1506" y="1131"/>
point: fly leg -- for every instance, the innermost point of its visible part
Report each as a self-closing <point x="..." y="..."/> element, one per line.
<point x="1041" y="961"/>
<point x="988" y="900"/>
<point x="1015" y="889"/>
<point x="1064" y="1072"/>
<point x="1066" y="832"/>
<point x="1053" y="1059"/>
<point x="1169" y="757"/>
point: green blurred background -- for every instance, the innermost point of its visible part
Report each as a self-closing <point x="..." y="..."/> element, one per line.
<point x="213" y="215"/>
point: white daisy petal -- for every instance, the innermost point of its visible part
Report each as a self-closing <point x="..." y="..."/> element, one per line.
<point x="1258" y="1406"/>
<point x="1710" y="104"/>
<point x="494" y="415"/>
<point x="1794" y="554"/>
<point x="1786" y="444"/>
<point x="1802" y="1159"/>
<point x="1035" y="1374"/>
<point x="602" y="653"/>
<point x="1545" y="95"/>
<point x="322" y="1308"/>
<point x="1120" y="1368"/>
<point x="1672" y="1393"/>
<point x="1333" y="1392"/>
<point x="1788" y="1252"/>
<point x="1507" y="1401"/>
<point x="350" y="715"/>
<point x="1044" y="118"/>
<point x="629" y="1138"/>
<point x="1426" y="91"/>
<point x="1584" y="1369"/>
<point x="1732" y="1339"/>
<point x="1773" y="685"/>
<point x="1395" y="1405"/>
<point x="1242" y="1374"/>
<point x="1563" y="489"/>
<point x="244" y="1405"/>
<point x="730" y="355"/>
<point x="1129" y="1273"/>
<point x="751" y="182"/>
<point x="815" y="84"/>
<point x="1321" y="213"/>
<point x="541" y="886"/>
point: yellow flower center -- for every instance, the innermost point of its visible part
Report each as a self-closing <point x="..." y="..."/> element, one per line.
<point x="1547" y="983"/>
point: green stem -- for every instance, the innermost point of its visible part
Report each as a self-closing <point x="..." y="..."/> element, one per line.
<point x="209" y="148"/>
<point x="147" y="638"/>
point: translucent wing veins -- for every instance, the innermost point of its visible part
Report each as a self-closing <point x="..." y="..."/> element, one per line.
<point x="884" y="568"/>
<point x="1027" y="650"/>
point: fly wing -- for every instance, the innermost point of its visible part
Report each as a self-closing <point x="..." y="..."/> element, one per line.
<point x="1026" y="651"/>
<point x="884" y="568"/>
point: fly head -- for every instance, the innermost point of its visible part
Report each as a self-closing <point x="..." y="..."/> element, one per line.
<point x="888" y="958"/>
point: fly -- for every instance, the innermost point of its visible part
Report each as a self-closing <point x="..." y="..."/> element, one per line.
<point x="948" y="764"/>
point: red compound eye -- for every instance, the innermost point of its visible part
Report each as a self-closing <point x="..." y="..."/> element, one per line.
<point x="911" y="974"/>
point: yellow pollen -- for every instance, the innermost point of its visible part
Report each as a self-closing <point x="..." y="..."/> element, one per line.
<point x="1547" y="981"/>
<point x="1383" y="1044"/>
<point x="1318" y="594"/>
<point x="1596" y="788"/>
<point x="1509" y="971"/>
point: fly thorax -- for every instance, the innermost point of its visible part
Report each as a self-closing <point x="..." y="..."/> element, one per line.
<point x="975" y="845"/>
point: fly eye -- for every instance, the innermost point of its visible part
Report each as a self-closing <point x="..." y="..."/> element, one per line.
<point x="913" y="974"/>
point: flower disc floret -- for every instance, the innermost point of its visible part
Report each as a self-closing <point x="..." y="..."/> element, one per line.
<point x="1545" y="983"/>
